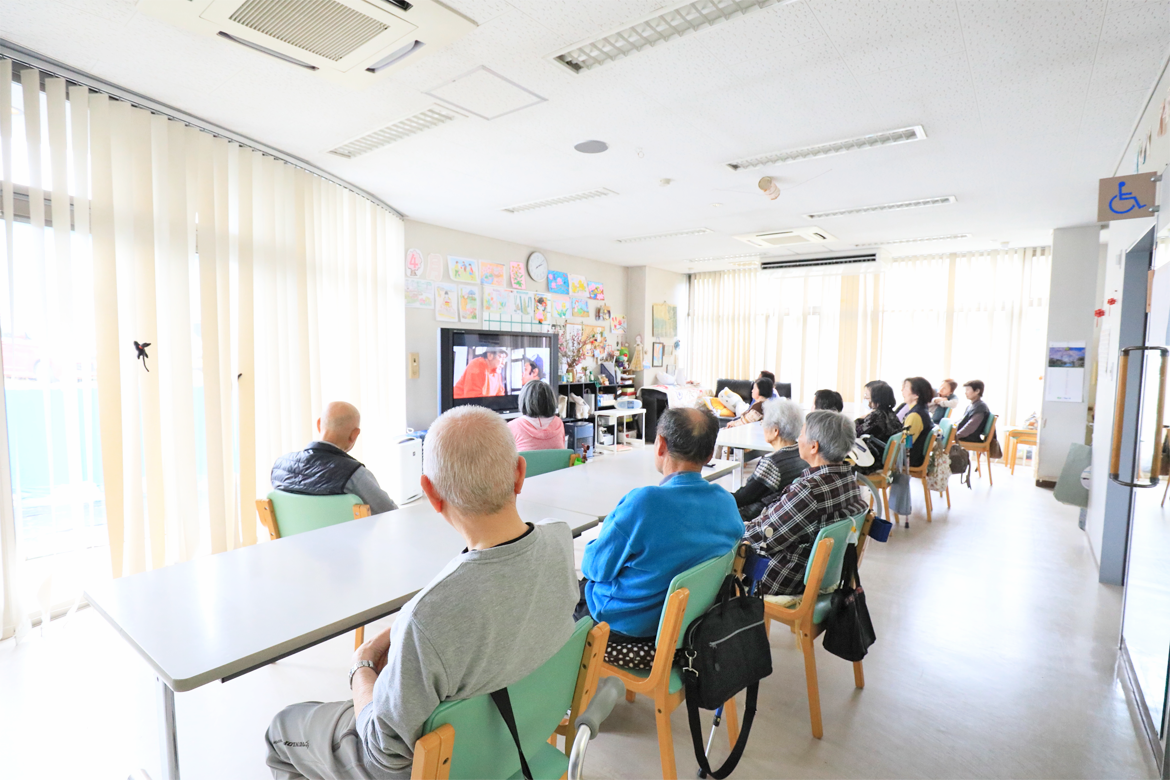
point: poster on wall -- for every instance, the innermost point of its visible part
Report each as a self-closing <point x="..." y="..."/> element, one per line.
<point x="516" y="271"/>
<point x="522" y="304"/>
<point x="468" y="303"/>
<point x="665" y="321"/>
<point x="446" y="308"/>
<point x="541" y="313"/>
<point x="580" y="307"/>
<point x="560" y="307"/>
<point x="420" y="294"/>
<point x="597" y="291"/>
<point x="491" y="273"/>
<point x="578" y="285"/>
<point x="558" y="283"/>
<point x="414" y="264"/>
<point x="435" y="267"/>
<point x="463" y="269"/>
<point x="1066" y="371"/>
<point x="496" y="302"/>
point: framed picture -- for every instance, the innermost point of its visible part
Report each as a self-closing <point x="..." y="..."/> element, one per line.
<point x="656" y="357"/>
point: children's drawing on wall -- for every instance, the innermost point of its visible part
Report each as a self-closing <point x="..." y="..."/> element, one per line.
<point x="468" y="303"/>
<point x="463" y="269"/>
<point x="420" y="294"/>
<point x="491" y="273"/>
<point x="414" y="264"/>
<point x="446" y="308"/>
<point x="517" y="273"/>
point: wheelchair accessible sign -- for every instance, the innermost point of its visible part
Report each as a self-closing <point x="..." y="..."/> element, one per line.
<point x="1126" y="197"/>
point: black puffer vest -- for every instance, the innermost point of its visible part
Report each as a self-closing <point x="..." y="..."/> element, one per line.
<point x="318" y="470"/>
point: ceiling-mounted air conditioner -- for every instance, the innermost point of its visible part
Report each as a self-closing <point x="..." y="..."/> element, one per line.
<point x="794" y="236"/>
<point x="350" y="41"/>
<point x="867" y="261"/>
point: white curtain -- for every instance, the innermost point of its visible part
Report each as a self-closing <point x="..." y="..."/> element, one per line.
<point x="977" y="315"/>
<point x="262" y="290"/>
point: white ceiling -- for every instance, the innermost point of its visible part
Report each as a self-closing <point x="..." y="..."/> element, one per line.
<point x="1026" y="103"/>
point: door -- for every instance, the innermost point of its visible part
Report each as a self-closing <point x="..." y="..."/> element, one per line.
<point x="1139" y="461"/>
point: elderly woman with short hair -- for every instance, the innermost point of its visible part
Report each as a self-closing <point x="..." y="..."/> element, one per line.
<point x="538" y="427"/>
<point x="783" y="419"/>
<point x="824" y="494"/>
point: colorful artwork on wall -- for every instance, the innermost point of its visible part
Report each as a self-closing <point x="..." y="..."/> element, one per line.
<point x="463" y="269"/>
<point x="420" y="294"/>
<point x="446" y="306"/>
<point x="578" y="285"/>
<point x="516" y="271"/>
<point x="558" y="283"/>
<point x="541" y="313"/>
<point x="665" y="320"/>
<point x="468" y="303"/>
<point x="597" y="291"/>
<point x="492" y="274"/>
<point x="580" y="307"/>
<point x="618" y="324"/>
<point x="522" y="304"/>
<point x="414" y="264"/>
<point x="496" y="302"/>
<point x="560" y="307"/>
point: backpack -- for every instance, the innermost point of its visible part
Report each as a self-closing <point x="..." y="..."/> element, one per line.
<point x="960" y="460"/>
<point x="938" y="472"/>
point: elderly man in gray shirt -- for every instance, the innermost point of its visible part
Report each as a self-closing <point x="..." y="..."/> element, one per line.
<point x="496" y="612"/>
<point x="325" y="467"/>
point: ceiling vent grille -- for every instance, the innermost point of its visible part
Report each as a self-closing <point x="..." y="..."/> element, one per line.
<point x="324" y="27"/>
<point x="775" y="238"/>
<point x="905" y="204"/>
<point x="870" y="261"/>
<point x="686" y="19"/>
<point x="560" y="201"/>
<point x="885" y="138"/>
<point x="403" y="128"/>
<point x="656" y="236"/>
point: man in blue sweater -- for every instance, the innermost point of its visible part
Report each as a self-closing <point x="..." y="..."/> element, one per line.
<point x="654" y="534"/>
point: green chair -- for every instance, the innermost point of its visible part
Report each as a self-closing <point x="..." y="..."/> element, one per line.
<point x="981" y="447"/>
<point x="543" y="461"/>
<point x="884" y="478"/>
<point x="805" y="614"/>
<point x="690" y="594"/>
<point x="287" y="514"/>
<point x="469" y="739"/>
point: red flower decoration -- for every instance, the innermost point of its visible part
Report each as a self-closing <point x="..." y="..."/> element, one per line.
<point x="1099" y="313"/>
<point x="1111" y="301"/>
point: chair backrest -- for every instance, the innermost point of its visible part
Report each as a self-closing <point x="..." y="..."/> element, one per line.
<point x="892" y="446"/>
<point x="839" y="532"/>
<point x="987" y="429"/>
<point x="484" y="748"/>
<point x="703" y="582"/>
<point x="543" y="461"/>
<point x="947" y="430"/>
<point x="296" y="513"/>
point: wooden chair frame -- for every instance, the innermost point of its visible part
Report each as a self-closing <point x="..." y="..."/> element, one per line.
<point x="800" y="620"/>
<point x="657" y="684"/>
<point x="882" y="479"/>
<point x="267" y="511"/>
<point x="982" y="447"/>
<point x="919" y="472"/>
<point x="433" y="751"/>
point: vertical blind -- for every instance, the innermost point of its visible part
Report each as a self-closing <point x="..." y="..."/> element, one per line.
<point x="262" y="290"/>
<point x="976" y="315"/>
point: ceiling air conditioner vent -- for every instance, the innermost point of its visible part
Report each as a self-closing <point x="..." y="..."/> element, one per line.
<point x="353" y="42"/>
<point x="775" y="238"/>
<point x="869" y="261"/>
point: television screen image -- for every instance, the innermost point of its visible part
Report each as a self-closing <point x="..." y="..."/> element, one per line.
<point x="490" y="368"/>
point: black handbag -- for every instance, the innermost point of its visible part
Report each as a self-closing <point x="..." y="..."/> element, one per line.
<point x="725" y="651"/>
<point x="848" y="629"/>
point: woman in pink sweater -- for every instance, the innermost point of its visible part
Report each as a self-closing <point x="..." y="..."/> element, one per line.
<point x="539" y="428"/>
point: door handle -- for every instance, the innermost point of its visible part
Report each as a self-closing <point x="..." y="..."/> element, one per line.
<point x="1119" y="418"/>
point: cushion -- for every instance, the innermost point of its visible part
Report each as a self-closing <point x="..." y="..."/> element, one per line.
<point x="665" y="378"/>
<point x="718" y="408"/>
<point x="733" y="402"/>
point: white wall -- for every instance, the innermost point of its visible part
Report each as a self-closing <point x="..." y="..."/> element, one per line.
<point x="1122" y="234"/>
<point x="648" y="286"/>
<point x="1076" y="261"/>
<point x="422" y="329"/>
<point x="1158" y="155"/>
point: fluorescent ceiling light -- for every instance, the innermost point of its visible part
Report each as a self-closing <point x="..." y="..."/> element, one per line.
<point x="560" y="201"/>
<point x="656" y="236"/>
<point x="724" y="257"/>
<point x="884" y="138"/>
<point x="905" y="204"/>
<point x="403" y="128"/>
<point x="660" y="28"/>
<point x="924" y="239"/>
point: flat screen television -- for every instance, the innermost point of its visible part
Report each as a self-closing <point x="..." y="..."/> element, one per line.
<point x="491" y="367"/>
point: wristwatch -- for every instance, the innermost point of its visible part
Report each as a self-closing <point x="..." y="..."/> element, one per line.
<point x="359" y="665"/>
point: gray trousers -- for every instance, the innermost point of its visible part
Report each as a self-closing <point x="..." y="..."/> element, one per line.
<point x="315" y="741"/>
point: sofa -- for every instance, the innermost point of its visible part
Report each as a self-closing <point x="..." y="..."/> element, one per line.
<point x="743" y="388"/>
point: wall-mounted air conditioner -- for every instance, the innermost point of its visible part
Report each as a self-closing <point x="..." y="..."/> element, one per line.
<point x="787" y="238"/>
<point x="866" y="261"/>
<point x="350" y="41"/>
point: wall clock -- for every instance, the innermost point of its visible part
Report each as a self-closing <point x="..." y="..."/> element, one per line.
<point x="537" y="267"/>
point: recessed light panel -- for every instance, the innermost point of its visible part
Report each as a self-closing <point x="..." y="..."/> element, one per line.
<point x="923" y="240"/>
<point x="656" y="236"/>
<point x="906" y="204"/>
<point x="560" y="200"/>
<point x="884" y="138"/>
<point x="403" y="128"/>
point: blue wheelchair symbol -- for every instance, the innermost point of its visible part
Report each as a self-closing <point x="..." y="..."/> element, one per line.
<point x="1124" y="197"/>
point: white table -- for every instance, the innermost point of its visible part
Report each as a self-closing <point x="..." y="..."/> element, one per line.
<point x="596" y="487"/>
<point x="222" y="616"/>
<point x="744" y="437"/>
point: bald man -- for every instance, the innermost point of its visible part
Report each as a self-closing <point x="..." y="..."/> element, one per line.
<point x="325" y="468"/>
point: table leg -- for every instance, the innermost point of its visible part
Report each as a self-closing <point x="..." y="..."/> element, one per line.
<point x="169" y="753"/>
